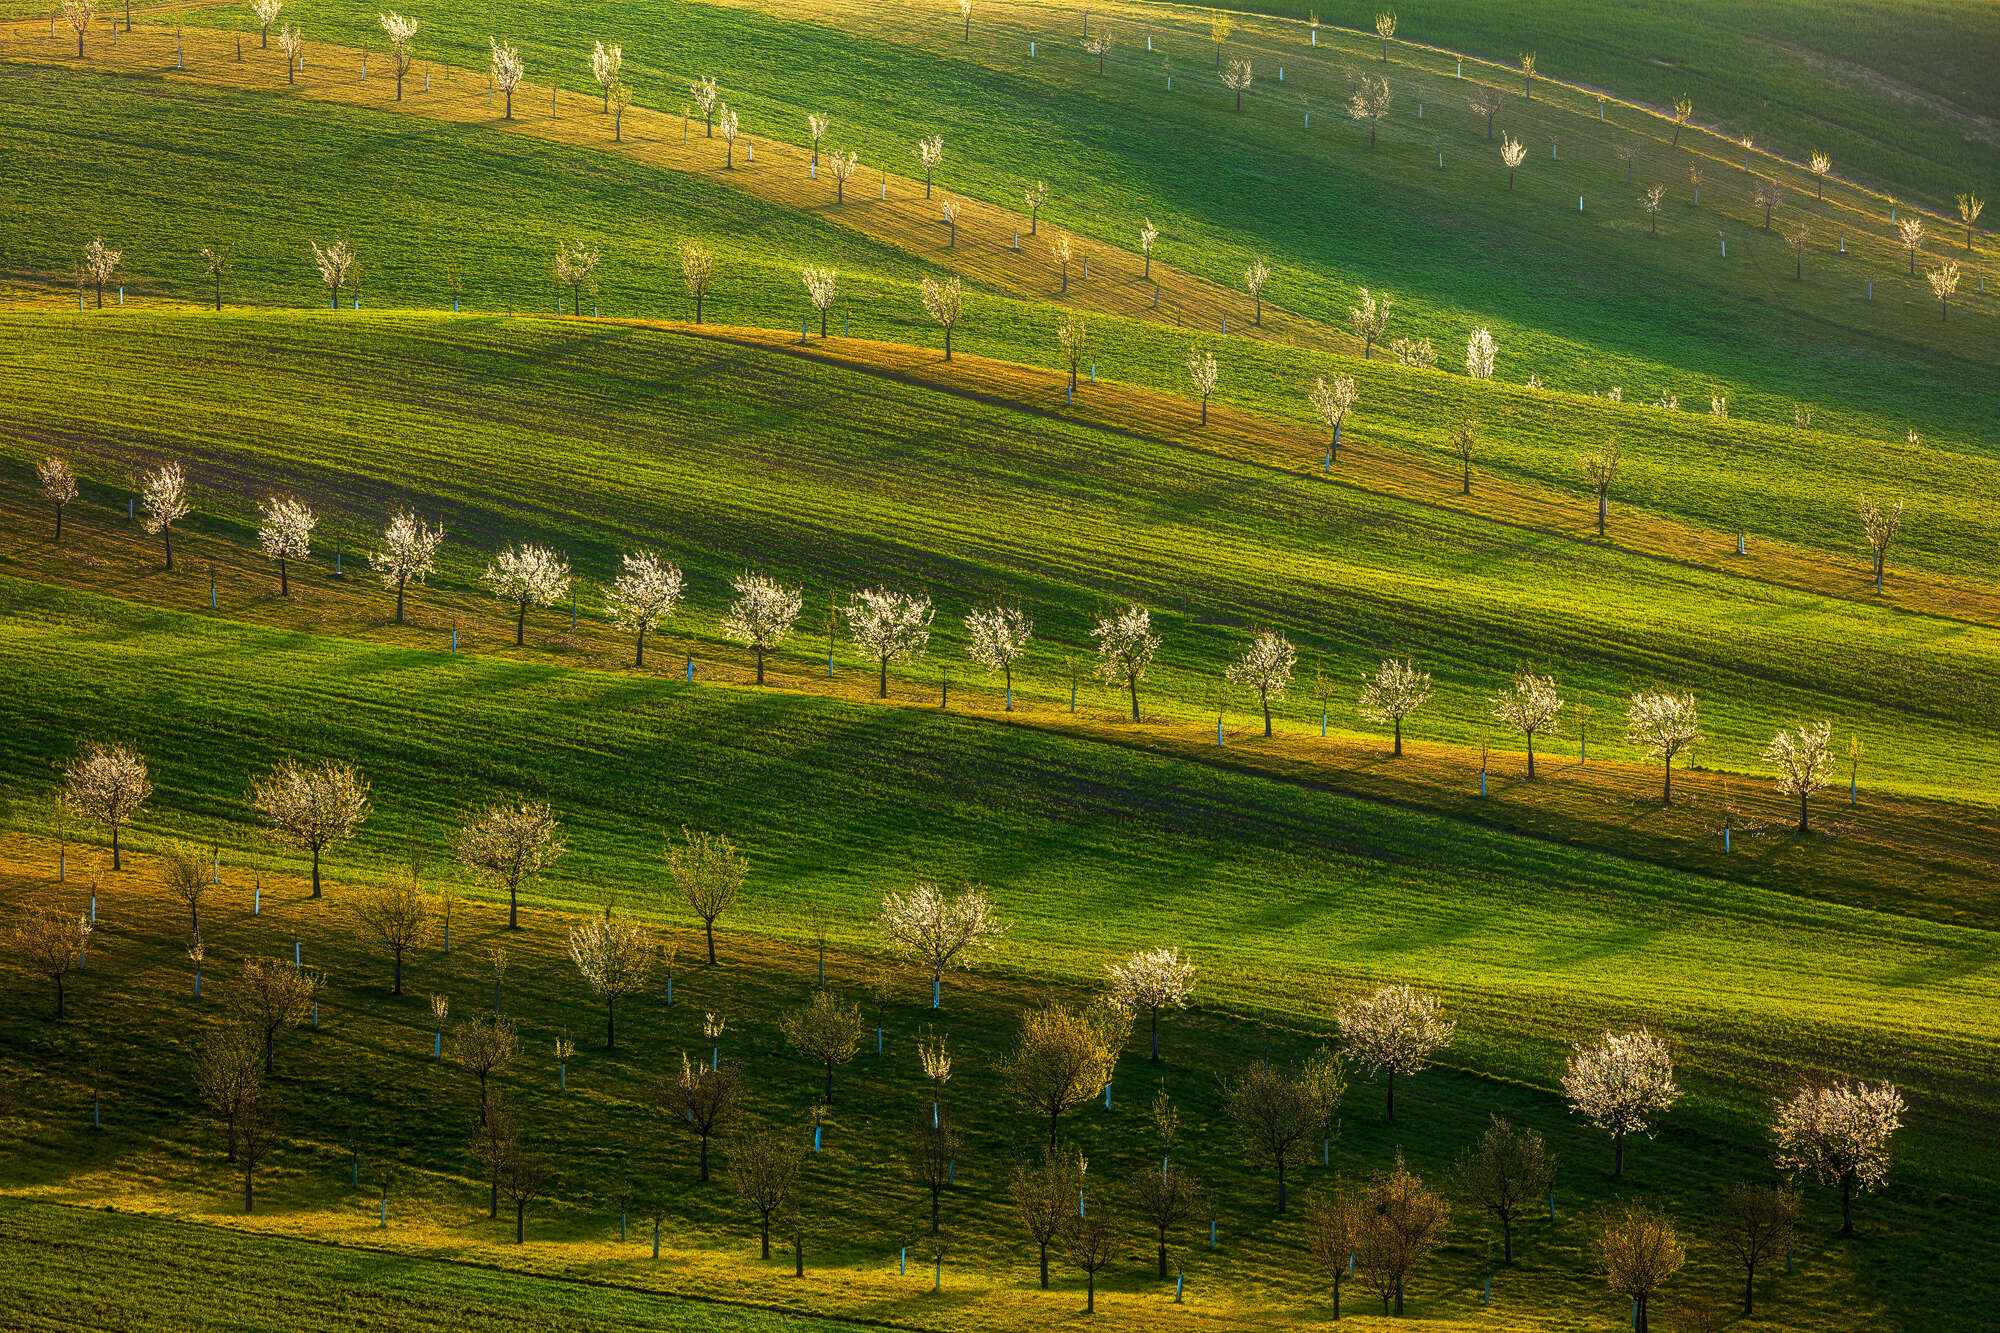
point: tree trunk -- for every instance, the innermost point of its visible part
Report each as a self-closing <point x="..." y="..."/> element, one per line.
<point x="947" y="342"/>
<point x="399" y="599"/>
<point x="1392" y="1096"/>
<point x="520" y="624"/>
<point x="1133" y="681"/>
<point x="519" y="1209"/>
<point x="1531" y="756"/>
<point x="934" y="1209"/>
<point x="829" y="1080"/>
<point x="1281" y="1186"/>
<point x="1639" y="1324"/>
<point x="1267" y="713"/>
<point x="1045" y="1265"/>
<point x="704" y="1159"/>
<point x="248" y="1198"/>
<point x="510" y="104"/>
<point x="610" y="1022"/>
<point x="59" y="1014"/>
<point x="513" y="912"/>
<point x="1156" y="1040"/>
<point x="267" y="1053"/>
<point x="1399" y="737"/>
<point x="167" y="535"/>
<point x="1090" y="1292"/>
<point x="399" y="972"/>
<point x="116" y="864"/>
<point x="1399" y="1298"/>
<point x="1507" y="1237"/>
<point x="315" y="892"/>
<point x="1847" y="1207"/>
<point x="59" y="510"/>
<point x="1163" y="1254"/>
<point x="1617" y="1154"/>
<point x="1749" y="1287"/>
<point x="766" y="1234"/>
<point x="709" y="924"/>
<point x="1804" y="826"/>
<point x="1054" y="1114"/>
<point x="1667" y="790"/>
<point x="639" y="659"/>
<point x="882" y="686"/>
<point x="798" y="1256"/>
<point x="760" y="681"/>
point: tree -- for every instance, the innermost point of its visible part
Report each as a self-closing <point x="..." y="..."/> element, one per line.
<point x="1045" y="1196"/>
<point x="825" y="1031"/>
<point x="944" y="302"/>
<point x="108" y="783"/>
<point x="100" y="261"/>
<point x="408" y="554"/>
<point x="1683" y="108"/>
<point x="1530" y="706"/>
<point x="1396" y="690"/>
<point x="931" y="1153"/>
<point x="256" y="1137"/>
<point x="1091" y="1241"/>
<point x="1371" y="101"/>
<point x="1513" y="155"/>
<point x="1416" y="353"/>
<point x="1943" y="281"/>
<point x="1651" y="200"/>
<point x="697" y="269"/>
<point x="398" y="915"/>
<point x="617" y="98"/>
<point x="817" y="125"/>
<point x="293" y="43"/>
<point x="1152" y="980"/>
<point x="482" y="1047"/>
<point x="890" y="627"/>
<point x="228" y="1076"/>
<point x="186" y="875"/>
<point x="163" y="495"/>
<point x="1970" y="206"/>
<point x="1060" y="254"/>
<point x="1620" y="1085"/>
<point x="703" y="1100"/>
<point x="575" y="268"/>
<point x="401" y="33"/>
<point x="1334" y="1224"/>
<point x="1881" y="526"/>
<point x="1148" y="234"/>
<point x="58" y="483"/>
<point x="285" y="534"/>
<point x="311" y="808"/>
<point x="1254" y="278"/>
<point x="1394" y="1031"/>
<point x="1125" y="647"/>
<point x="1639" y="1250"/>
<point x="1168" y="1199"/>
<point x="1332" y="402"/>
<point x="1462" y="436"/>
<point x="1486" y="102"/>
<point x="1203" y="373"/>
<point x="615" y="959"/>
<point x="1662" y="725"/>
<point x="1237" y="79"/>
<point x="1755" y="1227"/>
<point x="1799" y="238"/>
<point x="1402" y="1222"/>
<point x="1911" y="232"/>
<point x="335" y="263"/>
<point x="764" y="1166"/>
<point x="1368" y="320"/>
<point x="1219" y="25"/>
<point x="646" y="592"/>
<point x="1277" y="1114"/>
<point x="940" y="930"/>
<point x="1034" y="195"/>
<point x="996" y="638"/>
<point x="726" y="120"/>
<point x="1506" y="1170"/>
<point x="1098" y="44"/>
<point x="1480" y="349"/>
<point x="510" y="844"/>
<point x="531" y="576"/>
<point x="520" y="1174"/>
<point x="762" y="614"/>
<point x="1767" y="196"/>
<point x="273" y="997"/>
<point x="1072" y="336"/>
<point x="1266" y="666"/>
<point x="1066" y="1055"/>
<point x="1838" y="1133"/>
<point x="708" y="873"/>
<point x="1802" y="761"/>
<point x="1528" y="74"/>
<point x="706" y="99"/>
<point x="606" y="64"/>
<point x="507" y="71"/>
<point x="843" y="167"/>
<point x="930" y="154"/>
<point x="50" y="942"/>
<point x="266" y="13"/>
<point x="1627" y="153"/>
<point x="965" y="12"/>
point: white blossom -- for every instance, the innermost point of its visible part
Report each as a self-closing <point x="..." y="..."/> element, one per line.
<point x="1480" y="350"/>
<point x="606" y="63"/>
<point x="761" y="615"/>
<point x="1620" y="1085"/>
<point x="996" y="638"/>
<point x="889" y="626"/>
<point x="842" y="165"/>
<point x="1205" y="374"/>
<point x="1803" y="762"/>
<point x="1839" y="1134"/>
<point x="285" y="533"/>
<point x="164" y="499"/>
<point x="615" y="957"/>
<point x="1332" y="401"/>
<point x="408" y="554"/>
<point x="645" y="593"/>
<point x="335" y="264"/>
<point x="530" y="576"/>
<point x="1266" y="667"/>
<point x="1662" y="725"/>
<point x="930" y="155"/>
<point x="1152" y="980"/>
<point x="1396" y="690"/>
<point x="1394" y="1031"/>
<point x="1125" y="647"/>
<point x="821" y="284"/>
<point x="706" y="98"/>
<point x="938" y="929"/>
<point x="108" y="783"/>
<point x="1369" y="319"/>
<point x="944" y="302"/>
<point x="1529" y="705"/>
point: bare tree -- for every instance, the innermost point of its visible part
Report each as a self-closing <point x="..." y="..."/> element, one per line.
<point x="1168" y="1199"/>
<point x="58" y="483"/>
<point x="940" y="930"/>
<point x="335" y="263"/>
<point x="1237" y="79"/>
<point x="1395" y="1030"/>
<point x="1513" y="155"/>
<point x="1802" y="761"/>
<point x="1204" y="374"/>
<point x="1278" y="1114"/>
<point x="704" y="1099"/>
<point x="1332" y="402"/>
<point x="163" y="495"/>
<point x="108" y="784"/>
<point x="1767" y="196"/>
<point x="273" y="997"/>
<point x="1463" y="436"/>
<point x="1152" y="980"/>
<point x="1486" y="102"/>
<point x="931" y="1153"/>
<point x="1755" y="1227"/>
<point x="1092" y="1241"/>
<point x="825" y="1031"/>
<point x="1371" y="101"/>
<point x="100" y="261"/>
<point x="530" y="576"/>
<point x="1066" y="1055"/>
<point x="228" y="1076"/>
<point x="1505" y="1171"/>
<point x="50" y="943"/>
<point x="521" y="1175"/>
<point x="1045" y="1196"/>
<point x="1368" y="320"/>
<point x="1395" y="690"/>
<point x="1334" y="1225"/>
<point x="408" y="554"/>
<point x="256" y="1137"/>
<point x="764" y="1166"/>
<point x="1125" y="647"/>
<point x="1621" y="1085"/>
<point x="708" y="873"/>
<point x="509" y="844"/>
<point x="697" y="270"/>
<point x="1662" y="725"/>
<point x="285" y="534"/>
<point x="615" y="958"/>
<point x="311" y="808"/>
<point x="646" y="593"/>
<point x="890" y="627"/>
<point x="482" y="1047"/>
<point x="762" y="614"/>
<point x="402" y="33"/>
<point x="1219" y="25"/>
<point x="1402" y="1222"/>
<point x="1911" y="232"/>
<point x="1639" y="1250"/>
<point x="1943" y="281"/>
<point x="1529" y="705"/>
<point x="399" y="917"/>
<point x="1266" y="666"/>
<point x="186" y="875"/>
<point x="1839" y="1134"/>
<point x="506" y="70"/>
<point x="1799" y="238"/>
<point x="930" y="155"/>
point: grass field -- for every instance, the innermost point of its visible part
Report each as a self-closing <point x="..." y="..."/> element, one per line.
<point x="1296" y="869"/>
